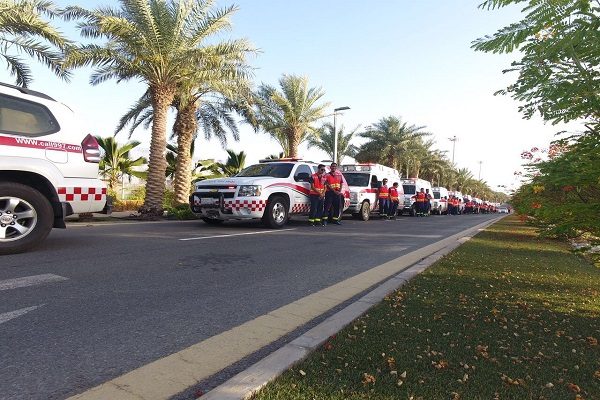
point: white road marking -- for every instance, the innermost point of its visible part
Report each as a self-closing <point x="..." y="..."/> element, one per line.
<point x="237" y="234"/>
<point x="17" y="313"/>
<point x="30" y="281"/>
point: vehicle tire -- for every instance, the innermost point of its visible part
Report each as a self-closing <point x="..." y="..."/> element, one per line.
<point x="276" y="213"/>
<point x="365" y="211"/>
<point x="212" y="221"/>
<point x="413" y="211"/>
<point x="26" y="217"/>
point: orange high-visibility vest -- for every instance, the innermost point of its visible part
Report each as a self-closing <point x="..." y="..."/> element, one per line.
<point x="421" y="197"/>
<point x="384" y="192"/>
<point x="394" y="194"/>
<point x="318" y="181"/>
<point x="334" y="182"/>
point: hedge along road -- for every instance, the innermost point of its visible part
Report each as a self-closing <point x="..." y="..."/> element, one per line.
<point x="108" y="299"/>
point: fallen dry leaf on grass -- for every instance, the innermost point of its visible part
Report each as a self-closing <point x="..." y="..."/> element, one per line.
<point x="368" y="379"/>
<point x="573" y="388"/>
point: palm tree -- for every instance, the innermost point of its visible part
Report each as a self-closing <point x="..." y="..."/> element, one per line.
<point x="464" y="179"/>
<point x="325" y="142"/>
<point x="275" y="156"/>
<point x="155" y="41"/>
<point x="388" y="141"/>
<point x="20" y="25"/>
<point x="116" y="162"/>
<point x="288" y="114"/>
<point x="172" y="157"/>
<point x="235" y="163"/>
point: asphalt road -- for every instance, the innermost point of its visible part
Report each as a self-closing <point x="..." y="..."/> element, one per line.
<point x="123" y="295"/>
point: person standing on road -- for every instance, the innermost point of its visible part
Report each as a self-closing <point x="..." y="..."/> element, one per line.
<point x="333" y="195"/>
<point x="420" y="198"/>
<point x="317" y="196"/>
<point x="383" y="195"/>
<point x="394" y="201"/>
<point x="428" y="198"/>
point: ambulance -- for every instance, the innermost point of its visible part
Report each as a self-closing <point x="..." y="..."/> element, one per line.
<point x="410" y="188"/>
<point x="364" y="181"/>
<point x="271" y="191"/>
<point x="439" y="203"/>
<point x="48" y="168"/>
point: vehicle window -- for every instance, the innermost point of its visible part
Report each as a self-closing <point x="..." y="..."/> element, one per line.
<point x="356" y="179"/>
<point x="409" y="189"/>
<point x="275" y="170"/>
<point x="303" y="168"/>
<point x="23" y="117"/>
<point x="375" y="182"/>
<point x="436" y="195"/>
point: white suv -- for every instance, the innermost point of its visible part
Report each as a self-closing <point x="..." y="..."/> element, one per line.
<point x="48" y="168"/>
<point x="271" y="190"/>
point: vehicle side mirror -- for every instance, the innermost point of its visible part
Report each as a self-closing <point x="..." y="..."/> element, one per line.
<point x="302" y="177"/>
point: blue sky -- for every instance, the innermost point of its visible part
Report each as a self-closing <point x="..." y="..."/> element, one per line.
<point x="384" y="57"/>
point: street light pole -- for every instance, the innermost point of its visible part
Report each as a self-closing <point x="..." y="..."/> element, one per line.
<point x="480" y="162"/>
<point x="335" y="135"/>
<point x="453" y="139"/>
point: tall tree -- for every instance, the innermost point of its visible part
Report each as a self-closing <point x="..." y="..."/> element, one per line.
<point x="558" y="74"/>
<point x="325" y="138"/>
<point x="387" y="141"/>
<point x="21" y="25"/>
<point x="155" y="41"/>
<point x="289" y="114"/>
<point x="116" y="161"/>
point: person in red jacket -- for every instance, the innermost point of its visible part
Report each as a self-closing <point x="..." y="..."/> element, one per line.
<point x="394" y="201"/>
<point x="383" y="195"/>
<point x="317" y="196"/>
<point x="420" y="199"/>
<point x="333" y="195"/>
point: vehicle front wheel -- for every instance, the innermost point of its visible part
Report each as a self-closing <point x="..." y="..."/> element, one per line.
<point x="26" y="217"/>
<point x="276" y="214"/>
<point x="413" y="211"/>
<point x="365" y="211"/>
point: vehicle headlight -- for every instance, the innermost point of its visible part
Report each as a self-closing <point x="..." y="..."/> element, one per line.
<point x="353" y="196"/>
<point x="249" y="190"/>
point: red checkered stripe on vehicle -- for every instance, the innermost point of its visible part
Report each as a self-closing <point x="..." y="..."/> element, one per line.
<point x="81" y="194"/>
<point x="252" y="205"/>
<point x="300" y="208"/>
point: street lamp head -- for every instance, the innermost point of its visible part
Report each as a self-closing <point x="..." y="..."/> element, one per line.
<point x="341" y="109"/>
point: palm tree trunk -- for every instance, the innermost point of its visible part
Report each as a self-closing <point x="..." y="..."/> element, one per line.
<point x="294" y="142"/>
<point x="162" y="97"/>
<point x="185" y="127"/>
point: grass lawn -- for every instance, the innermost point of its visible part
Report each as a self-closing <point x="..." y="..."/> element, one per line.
<point x="505" y="316"/>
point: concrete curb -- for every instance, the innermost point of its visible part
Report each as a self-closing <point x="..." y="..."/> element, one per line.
<point x="247" y="383"/>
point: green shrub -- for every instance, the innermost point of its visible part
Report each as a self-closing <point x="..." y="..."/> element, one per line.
<point x="180" y="212"/>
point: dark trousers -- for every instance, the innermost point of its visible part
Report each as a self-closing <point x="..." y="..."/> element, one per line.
<point x="316" y="208"/>
<point x="394" y="208"/>
<point x="384" y="205"/>
<point x="427" y="207"/>
<point x="420" y="205"/>
<point x="332" y="205"/>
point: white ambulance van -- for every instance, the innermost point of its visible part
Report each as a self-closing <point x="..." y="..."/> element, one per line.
<point x="364" y="181"/>
<point x="439" y="203"/>
<point x="410" y="187"/>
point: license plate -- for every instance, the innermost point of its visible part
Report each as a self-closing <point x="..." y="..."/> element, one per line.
<point x="209" y="202"/>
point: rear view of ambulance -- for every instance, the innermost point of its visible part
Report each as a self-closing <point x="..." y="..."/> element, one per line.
<point x="48" y="168"/>
<point x="364" y="181"/>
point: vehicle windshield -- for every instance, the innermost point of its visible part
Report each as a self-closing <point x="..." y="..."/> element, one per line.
<point x="275" y="170"/>
<point x="409" y="189"/>
<point x="357" y="179"/>
<point x="436" y="195"/>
